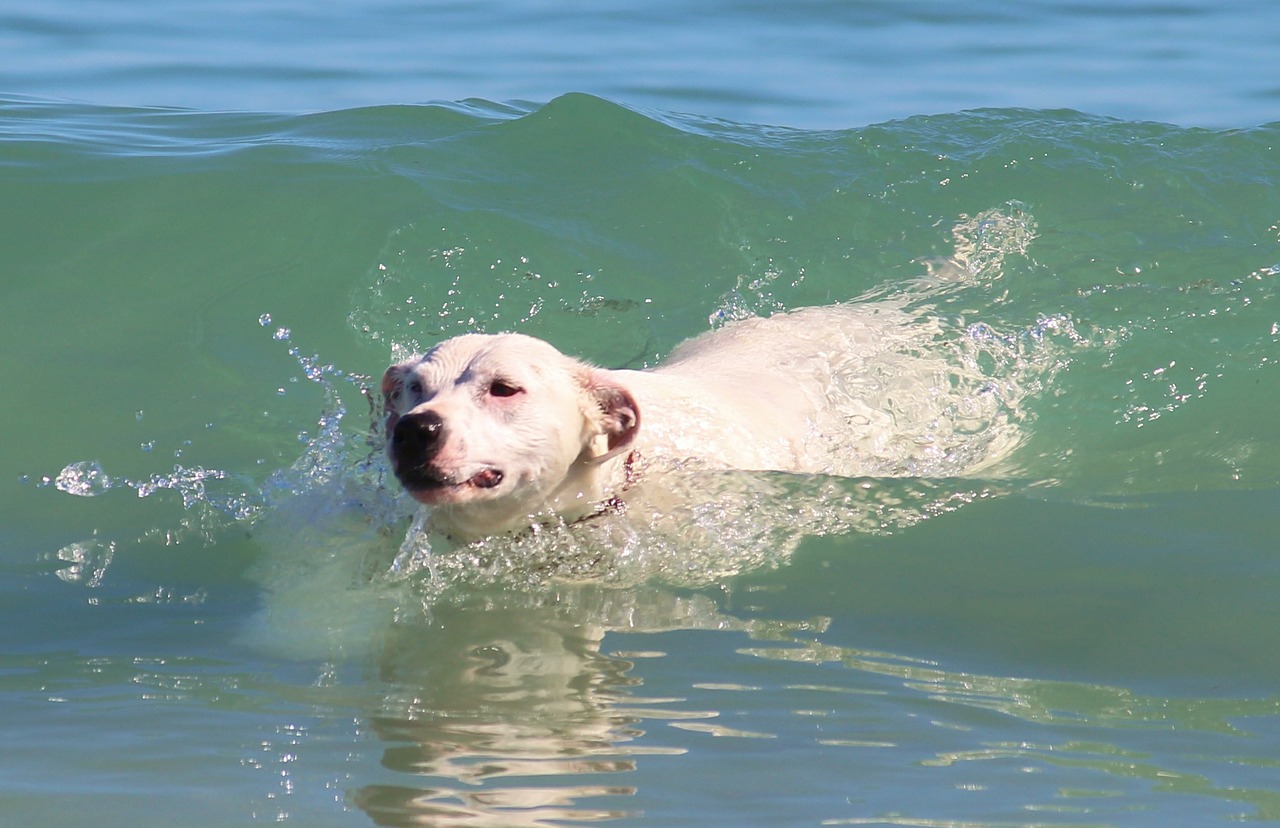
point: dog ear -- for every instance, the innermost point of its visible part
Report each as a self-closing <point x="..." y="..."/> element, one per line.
<point x="392" y="386"/>
<point x="619" y="413"/>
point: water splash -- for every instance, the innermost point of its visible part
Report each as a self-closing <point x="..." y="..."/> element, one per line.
<point x="85" y="562"/>
<point x="952" y="393"/>
<point x="332" y="473"/>
<point x="984" y="241"/>
<point x="84" y="478"/>
<point x="700" y="529"/>
<point x="87" y="478"/>
<point x="948" y="397"/>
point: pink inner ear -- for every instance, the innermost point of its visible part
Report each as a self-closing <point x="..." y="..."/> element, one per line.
<point x="624" y="422"/>
<point x="621" y="414"/>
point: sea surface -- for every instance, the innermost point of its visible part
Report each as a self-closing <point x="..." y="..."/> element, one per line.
<point x="219" y="221"/>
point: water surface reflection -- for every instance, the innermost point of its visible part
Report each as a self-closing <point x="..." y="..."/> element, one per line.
<point x="508" y="711"/>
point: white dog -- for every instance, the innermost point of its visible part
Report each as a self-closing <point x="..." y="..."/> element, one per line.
<point x="498" y="433"/>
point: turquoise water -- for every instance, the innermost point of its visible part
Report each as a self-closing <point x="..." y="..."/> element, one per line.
<point x="214" y="609"/>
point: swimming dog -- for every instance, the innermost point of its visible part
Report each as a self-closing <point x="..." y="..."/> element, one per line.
<point x="501" y="432"/>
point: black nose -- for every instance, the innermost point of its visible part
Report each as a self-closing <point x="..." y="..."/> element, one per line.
<point x="417" y="437"/>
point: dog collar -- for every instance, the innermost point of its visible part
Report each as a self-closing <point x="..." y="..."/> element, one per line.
<point x="615" y="505"/>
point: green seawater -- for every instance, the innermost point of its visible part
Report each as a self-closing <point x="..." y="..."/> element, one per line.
<point x="213" y="611"/>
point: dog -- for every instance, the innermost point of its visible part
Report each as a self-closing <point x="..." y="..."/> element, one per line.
<point x="500" y="433"/>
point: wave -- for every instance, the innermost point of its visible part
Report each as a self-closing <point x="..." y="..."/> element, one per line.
<point x="1118" y="279"/>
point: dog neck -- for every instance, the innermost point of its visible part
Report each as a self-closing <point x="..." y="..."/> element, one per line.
<point x="595" y="487"/>
<point x="615" y="504"/>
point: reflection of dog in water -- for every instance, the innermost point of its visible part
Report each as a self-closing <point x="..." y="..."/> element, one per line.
<point x="506" y="711"/>
<point x="498" y="433"/>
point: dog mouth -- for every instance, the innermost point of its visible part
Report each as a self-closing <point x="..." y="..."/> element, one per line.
<point x="430" y="485"/>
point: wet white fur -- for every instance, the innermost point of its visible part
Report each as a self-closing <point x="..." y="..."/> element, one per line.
<point x="846" y="389"/>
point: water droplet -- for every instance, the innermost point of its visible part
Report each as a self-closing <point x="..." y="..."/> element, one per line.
<point x="87" y="562"/>
<point x="83" y="479"/>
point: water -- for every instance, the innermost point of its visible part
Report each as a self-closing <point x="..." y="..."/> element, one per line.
<point x="815" y="64"/>
<point x="216" y="606"/>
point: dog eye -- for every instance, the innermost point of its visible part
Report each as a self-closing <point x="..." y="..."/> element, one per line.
<point x="499" y="388"/>
<point x="415" y="387"/>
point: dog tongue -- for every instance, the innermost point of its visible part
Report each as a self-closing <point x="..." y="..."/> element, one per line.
<point x="487" y="479"/>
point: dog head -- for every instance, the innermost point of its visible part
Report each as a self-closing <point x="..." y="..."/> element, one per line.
<point x="495" y="431"/>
